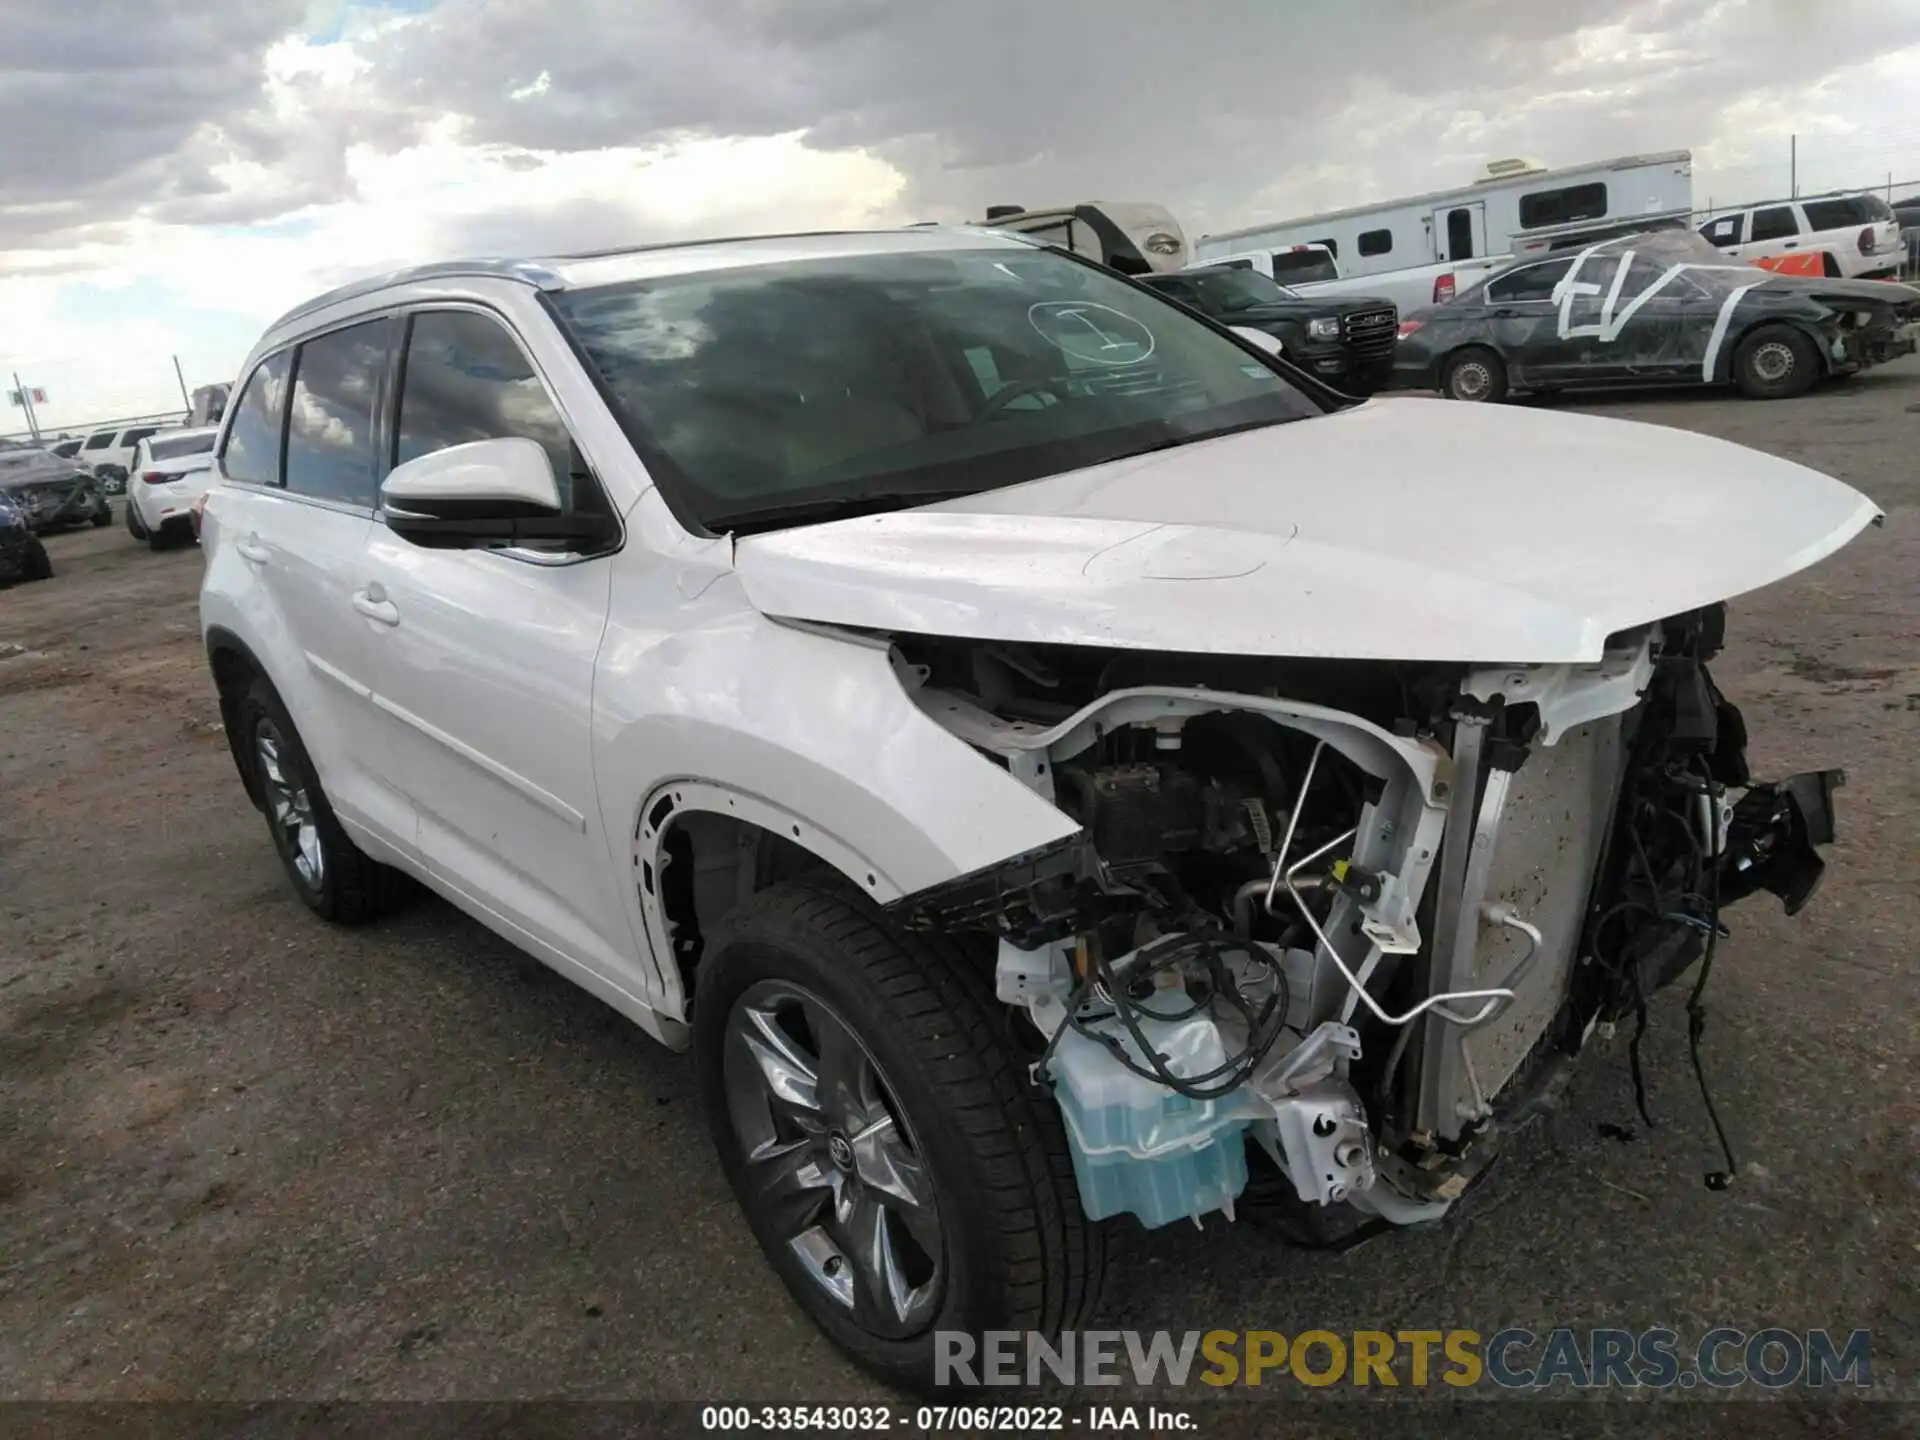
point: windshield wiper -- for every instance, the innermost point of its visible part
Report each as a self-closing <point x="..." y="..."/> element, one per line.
<point x="834" y="507"/>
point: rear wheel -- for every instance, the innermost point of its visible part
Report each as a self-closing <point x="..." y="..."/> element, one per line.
<point x="1475" y="374"/>
<point x="134" y="528"/>
<point x="335" y="879"/>
<point x="879" y="1131"/>
<point x="1775" y="362"/>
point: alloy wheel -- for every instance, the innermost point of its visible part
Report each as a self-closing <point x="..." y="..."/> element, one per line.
<point x="289" y="806"/>
<point x="832" y="1169"/>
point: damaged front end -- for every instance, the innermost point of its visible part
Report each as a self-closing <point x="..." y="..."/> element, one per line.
<point x="1347" y="918"/>
<point x="1859" y="336"/>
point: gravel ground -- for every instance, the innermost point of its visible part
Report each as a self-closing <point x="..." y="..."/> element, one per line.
<point x="246" y="1156"/>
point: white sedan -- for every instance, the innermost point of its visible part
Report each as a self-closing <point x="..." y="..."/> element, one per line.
<point x="169" y="472"/>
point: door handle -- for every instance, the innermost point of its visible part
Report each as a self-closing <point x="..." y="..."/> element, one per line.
<point x="1506" y="314"/>
<point x="252" y="551"/>
<point x="372" y="602"/>
<point x="1791" y="245"/>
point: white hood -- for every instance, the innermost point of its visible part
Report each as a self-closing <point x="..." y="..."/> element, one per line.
<point x="1404" y="529"/>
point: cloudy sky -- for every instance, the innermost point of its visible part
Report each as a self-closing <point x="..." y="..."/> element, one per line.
<point x="177" y="171"/>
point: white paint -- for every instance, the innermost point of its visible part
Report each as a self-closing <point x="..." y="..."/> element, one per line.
<point x="501" y="736"/>
<point x="1613" y="319"/>
<point x="1391" y="531"/>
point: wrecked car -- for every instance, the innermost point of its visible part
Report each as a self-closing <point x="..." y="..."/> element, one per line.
<point x="52" y="493"/>
<point x="1056" y="768"/>
<point x="23" y="555"/>
<point x="1661" y="308"/>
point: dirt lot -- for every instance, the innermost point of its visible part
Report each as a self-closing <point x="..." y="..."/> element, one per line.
<point x="243" y="1155"/>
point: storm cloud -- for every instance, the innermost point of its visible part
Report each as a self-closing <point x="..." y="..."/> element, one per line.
<point x="1226" y="110"/>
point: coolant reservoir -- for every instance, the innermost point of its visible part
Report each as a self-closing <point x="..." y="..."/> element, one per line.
<point x="1139" y="1147"/>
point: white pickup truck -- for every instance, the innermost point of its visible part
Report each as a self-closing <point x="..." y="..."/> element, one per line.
<point x="1314" y="270"/>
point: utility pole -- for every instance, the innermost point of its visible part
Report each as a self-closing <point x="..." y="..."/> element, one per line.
<point x="26" y="404"/>
<point x="178" y="374"/>
<point x="1793" y="167"/>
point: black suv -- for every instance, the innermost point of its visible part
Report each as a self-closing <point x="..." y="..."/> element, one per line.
<point x="1346" y="341"/>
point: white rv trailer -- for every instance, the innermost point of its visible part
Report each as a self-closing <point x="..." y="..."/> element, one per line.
<point x="1516" y="207"/>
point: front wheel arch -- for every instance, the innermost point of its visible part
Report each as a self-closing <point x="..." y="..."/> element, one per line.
<point x="706" y="826"/>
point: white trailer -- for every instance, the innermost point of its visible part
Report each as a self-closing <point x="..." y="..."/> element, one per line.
<point x="1515" y="208"/>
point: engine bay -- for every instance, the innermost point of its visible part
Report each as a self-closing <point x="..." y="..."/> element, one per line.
<point x="1347" y="921"/>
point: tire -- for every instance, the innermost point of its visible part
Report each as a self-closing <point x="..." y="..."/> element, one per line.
<point x="39" y="563"/>
<point x="1016" y="1251"/>
<point x="1775" y="362"/>
<point x="1474" y="374"/>
<point x="134" y="526"/>
<point x="344" y="886"/>
<point x="160" y="538"/>
<point x="102" y="517"/>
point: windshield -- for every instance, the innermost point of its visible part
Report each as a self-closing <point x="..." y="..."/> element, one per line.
<point x="772" y="394"/>
<point x="172" y="447"/>
<point x="1239" y="289"/>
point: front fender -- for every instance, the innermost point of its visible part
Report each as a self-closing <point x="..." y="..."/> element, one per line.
<point x="805" y="730"/>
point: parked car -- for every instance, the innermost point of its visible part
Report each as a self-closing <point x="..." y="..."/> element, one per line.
<point x="1055" y="766"/>
<point x="23" y="555"/>
<point x="108" y="453"/>
<point x="1661" y="309"/>
<point x="53" y="493"/>
<point x="170" y="472"/>
<point x="1345" y="340"/>
<point x="1856" y="236"/>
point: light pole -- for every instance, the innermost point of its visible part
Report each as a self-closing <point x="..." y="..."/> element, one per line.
<point x="24" y="397"/>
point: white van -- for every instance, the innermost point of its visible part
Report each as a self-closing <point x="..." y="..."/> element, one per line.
<point x="1856" y="236"/>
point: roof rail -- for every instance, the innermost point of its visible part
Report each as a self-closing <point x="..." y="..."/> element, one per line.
<point x="531" y="272"/>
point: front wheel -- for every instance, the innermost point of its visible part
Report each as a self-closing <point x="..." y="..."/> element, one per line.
<point x="880" y="1133"/>
<point x="1775" y="362"/>
<point x="39" y="563"/>
<point x="1474" y="374"/>
<point x="103" y="516"/>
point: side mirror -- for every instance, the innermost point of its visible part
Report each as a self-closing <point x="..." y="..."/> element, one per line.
<point x="487" y="493"/>
<point x="1259" y="339"/>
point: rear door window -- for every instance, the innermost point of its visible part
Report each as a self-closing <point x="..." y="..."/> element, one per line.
<point x="336" y="388"/>
<point x="252" y="453"/>
<point x="101" y="441"/>
<point x="1530" y="282"/>
<point x="1776" y="222"/>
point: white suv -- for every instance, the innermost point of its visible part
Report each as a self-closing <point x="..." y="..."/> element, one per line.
<point x="1853" y="236"/>
<point x="1054" y="764"/>
<point x="108" y="453"/>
